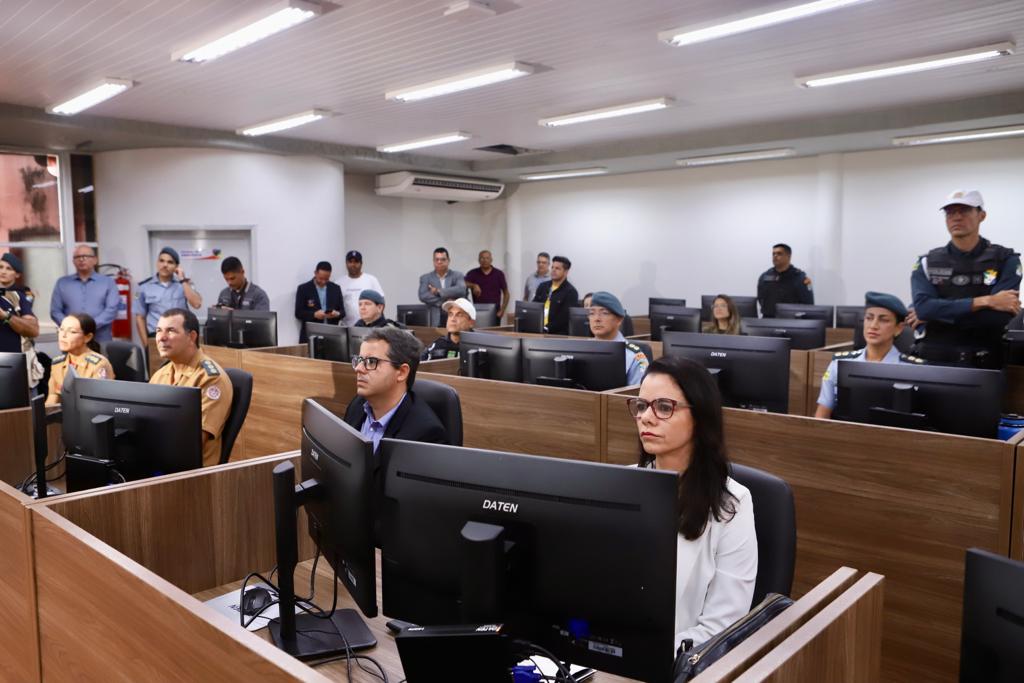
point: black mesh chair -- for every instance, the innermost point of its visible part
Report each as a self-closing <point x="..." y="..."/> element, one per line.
<point x="775" y="523"/>
<point x="241" y="386"/>
<point x="444" y="401"/>
<point x="128" y="360"/>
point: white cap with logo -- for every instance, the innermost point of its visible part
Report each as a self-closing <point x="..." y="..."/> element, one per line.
<point x="965" y="197"/>
<point x="463" y="303"/>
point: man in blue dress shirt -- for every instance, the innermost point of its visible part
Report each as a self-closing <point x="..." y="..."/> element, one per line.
<point x="86" y="292"/>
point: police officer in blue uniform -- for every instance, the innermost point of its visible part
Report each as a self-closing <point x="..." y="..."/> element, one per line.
<point x="167" y="289"/>
<point x="966" y="291"/>
<point x="783" y="283"/>
<point x="605" y="315"/>
<point x="884" y="316"/>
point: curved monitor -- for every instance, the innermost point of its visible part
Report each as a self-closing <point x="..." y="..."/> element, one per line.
<point x="13" y="381"/>
<point x="529" y="316"/>
<point x="328" y="342"/>
<point x="574" y="363"/>
<point x="806" y="312"/>
<point x="673" y="318"/>
<point x="491" y="356"/>
<point x="803" y="334"/>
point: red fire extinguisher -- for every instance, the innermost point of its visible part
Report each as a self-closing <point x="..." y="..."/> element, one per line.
<point x="121" y="328"/>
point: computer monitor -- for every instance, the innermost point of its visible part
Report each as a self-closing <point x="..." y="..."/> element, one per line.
<point x="328" y="342"/>
<point x="337" y="491"/>
<point x="904" y="340"/>
<point x="806" y="312"/>
<point x="412" y="315"/>
<point x="752" y="372"/>
<point x="116" y="430"/>
<point x="674" y="318"/>
<point x="934" y="398"/>
<point x="849" y="316"/>
<point x="491" y="356"/>
<point x="253" y="329"/>
<point x="486" y="315"/>
<point x="992" y="637"/>
<point x="803" y="334"/>
<point x="1013" y="353"/>
<point x="579" y="322"/>
<point x="745" y="305"/>
<point x="13" y="381"/>
<point x="217" y="328"/>
<point x="574" y="363"/>
<point x="529" y="316"/>
<point x="574" y="556"/>
<point x="662" y="301"/>
<point x="356" y="335"/>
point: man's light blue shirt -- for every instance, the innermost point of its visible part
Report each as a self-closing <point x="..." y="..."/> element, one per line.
<point x="322" y="293"/>
<point x="374" y="428"/>
<point x="155" y="297"/>
<point x="97" y="296"/>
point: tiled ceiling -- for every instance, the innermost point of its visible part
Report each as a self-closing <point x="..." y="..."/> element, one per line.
<point x="592" y="53"/>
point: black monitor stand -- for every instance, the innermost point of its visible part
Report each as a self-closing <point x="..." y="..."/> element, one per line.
<point x="563" y="375"/>
<point x="90" y="471"/>
<point x="476" y="364"/>
<point x="902" y="413"/>
<point x="306" y="636"/>
<point x="316" y="346"/>
<point x="39" y="489"/>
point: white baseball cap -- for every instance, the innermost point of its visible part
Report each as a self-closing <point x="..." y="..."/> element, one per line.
<point x="965" y="197"/>
<point x="463" y="303"/>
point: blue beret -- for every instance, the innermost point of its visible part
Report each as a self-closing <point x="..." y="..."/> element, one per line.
<point x="609" y="301"/>
<point x="172" y="253"/>
<point x="372" y="295"/>
<point x="888" y="301"/>
<point x="13" y="261"/>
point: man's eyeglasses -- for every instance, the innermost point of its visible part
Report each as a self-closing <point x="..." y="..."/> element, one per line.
<point x="370" y="362"/>
<point x="663" y="408"/>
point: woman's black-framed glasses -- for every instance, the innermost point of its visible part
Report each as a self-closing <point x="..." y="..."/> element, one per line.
<point x="664" y="408"/>
<point x="371" y="362"/>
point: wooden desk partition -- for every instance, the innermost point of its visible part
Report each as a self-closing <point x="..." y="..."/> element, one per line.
<point x="838" y="335"/>
<point x="799" y="362"/>
<point x="19" y="646"/>
<point x="17" y="444"/>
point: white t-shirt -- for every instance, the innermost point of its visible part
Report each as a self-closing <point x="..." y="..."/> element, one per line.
<point x="350" y="289"/>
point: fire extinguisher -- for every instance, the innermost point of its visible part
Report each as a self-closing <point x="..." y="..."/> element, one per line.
<point x="121" y="328"/>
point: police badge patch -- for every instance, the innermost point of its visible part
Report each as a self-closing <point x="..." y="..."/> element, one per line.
<point x="990" y="275"/>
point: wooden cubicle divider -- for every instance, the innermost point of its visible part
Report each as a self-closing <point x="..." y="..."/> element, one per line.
<point x="838" y="335"/>
<point x="902" y="503"/>
<point x="19" y="646"/>
<point x="1017" y="525"/>
<point x="16" y="430"/>
<point x="841" y="643"/>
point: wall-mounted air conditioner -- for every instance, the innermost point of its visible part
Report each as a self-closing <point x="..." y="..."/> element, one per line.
<point x="429" y="186"/>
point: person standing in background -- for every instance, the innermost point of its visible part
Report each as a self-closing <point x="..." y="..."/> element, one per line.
<point x="353" y="284"/>
<point x="86" y="292"/>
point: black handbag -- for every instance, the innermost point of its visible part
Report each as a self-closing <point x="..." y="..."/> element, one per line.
<point x="694" y="660"/>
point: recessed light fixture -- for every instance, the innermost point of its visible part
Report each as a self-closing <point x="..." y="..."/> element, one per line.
<point x="276" y="18"/>
<point x="284" y="123"/>
<point x="749" y="21"/>
<point x="442" y="139"/>
<point x="466" y="81"/>
<point x="909" y="66"/>
<point x="756" y="155"/>
<point x="568" y="173"/>
<point x="108" y="88"/>
<point x="607" y="112"/>
<point x="959" y="136"/>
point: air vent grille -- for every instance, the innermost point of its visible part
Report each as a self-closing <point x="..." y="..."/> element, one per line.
<point x="456" y="185"/>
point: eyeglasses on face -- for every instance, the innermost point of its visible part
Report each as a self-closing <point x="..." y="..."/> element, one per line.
<point x="370" y="362"/>
<point x="663" y="408"/>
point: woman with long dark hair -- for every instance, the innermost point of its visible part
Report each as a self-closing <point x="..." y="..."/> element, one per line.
<point x="679" y="419"/>
<point x="725" y="317"/>
<point x="79" y="350"/>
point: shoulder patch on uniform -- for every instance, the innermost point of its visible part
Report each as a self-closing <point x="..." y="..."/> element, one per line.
<point x="92" y="359"/>
<point x="210" y="367"/>
<point x="847" y="354"/>
<point x="60" y="359"/>
<point x="907" y="358"/>
<point x="212" y="393"/>
<point x="917" y="264"/>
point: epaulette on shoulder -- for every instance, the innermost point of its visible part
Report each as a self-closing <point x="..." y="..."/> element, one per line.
<point x="210" y="367"/>
<point x="907" y="358"/>
<point x="92" y="358"/>
<point x="148" y="279"/>
<point x="59" y="359"/>
<point x="840" y="355"/>
<point x="633" y="347"/>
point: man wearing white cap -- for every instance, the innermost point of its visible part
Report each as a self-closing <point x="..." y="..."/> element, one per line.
<point x="966" y="291"/>
<point x="461" y="318"/>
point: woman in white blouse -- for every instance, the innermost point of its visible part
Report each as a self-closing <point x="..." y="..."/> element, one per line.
<point x="679" y="419"/>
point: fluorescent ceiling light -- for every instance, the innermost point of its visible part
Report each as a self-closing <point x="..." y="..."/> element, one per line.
<point x="90" y="98"/>
<point x="284" y="123"/>
<point x="749" y="21"/>
<point x="607" y="112"/>
<point x="738" y="156"/>
<point x="443" y="139"/>
<point x="909" y="66"/>
<point x="274" y="19"/>
<point x="569" y="173"/>
<point x="466" y="81"/>
<point x="959" y="136"/>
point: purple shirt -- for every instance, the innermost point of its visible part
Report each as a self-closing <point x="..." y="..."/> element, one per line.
<point x="491" y="285"/>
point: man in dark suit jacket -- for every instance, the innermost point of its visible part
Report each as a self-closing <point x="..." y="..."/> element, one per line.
<point x="385" y="405"/>
<point x="319" y="300"/>
<point x="558" y="296"/>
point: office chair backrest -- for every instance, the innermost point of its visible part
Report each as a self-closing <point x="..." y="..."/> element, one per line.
<point x="128" y="360"/>
<point x="775" y="523"/>
<point x="627" y="326"/>
<point x="241" y="385"/>
<point x="444" y="401"/>
<point x="992" y="640"/>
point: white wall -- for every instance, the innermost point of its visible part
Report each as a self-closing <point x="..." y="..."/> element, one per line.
<point x="296" y="203"/>
<point x="855" y="221"/>
<point x="397" y="237"/>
